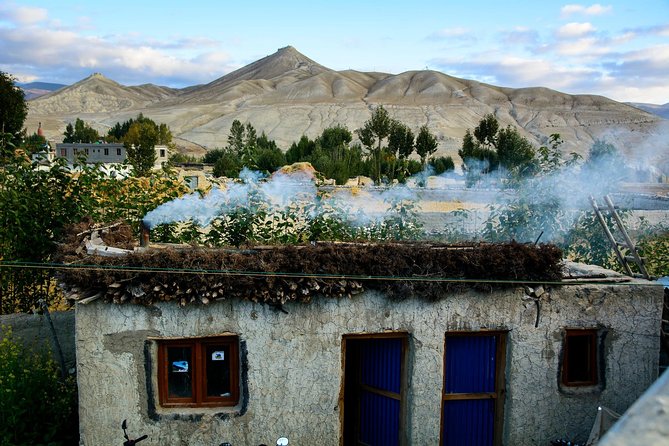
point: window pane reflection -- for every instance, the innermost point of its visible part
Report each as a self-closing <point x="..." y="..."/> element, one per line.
<point x="179" y="380"/>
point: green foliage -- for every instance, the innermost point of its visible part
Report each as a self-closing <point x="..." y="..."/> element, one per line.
<point x="586" y="241"/>
<point x="654" y="247"/>
<point x="375" y="130"/>
<point x="490" y="147"/>
<point x="213" y="155"/>
<point x="262" y="222"/>
<point x="33" y="144"/>
<point x="13" y="111"/>
<point x="300" y="151"/>
<point x="227" y="163"/>
<point x="37" y="406"/>
<point x="442" y="164"/>
<point x="81" y="132"/>
<point x="38" y="204"/>
<point x="118" y="132"/>
<point x="236" y="138"/>
<point x="269" y="159"/>
<point x="514" y="152"/>
<point x="180" y="158"/>
<point x="426" y="144"/>
<point x="140" y="145"/>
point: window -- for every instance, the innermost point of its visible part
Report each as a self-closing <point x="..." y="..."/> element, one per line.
<point x="473" y="388"/>
<point x="162" y="153"/>
<point x="375" y="389"/>
<point x="106" y="151"/>
<point x="201" y="372"/>
<point x="579" y="359"/>
<point x="118" y="151"/>
<point x="87" y="151"/>
<point x="63" y="152"/>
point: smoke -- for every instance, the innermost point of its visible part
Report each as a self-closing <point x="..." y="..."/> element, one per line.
<point x="358" y="206"/>
<point x="549" y="201"/>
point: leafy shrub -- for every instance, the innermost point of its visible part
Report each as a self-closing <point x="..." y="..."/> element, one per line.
<point x="654" y="248"/>
<point x="37" y="407"/>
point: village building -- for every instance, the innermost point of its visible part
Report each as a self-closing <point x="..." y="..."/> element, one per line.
<point x="104" y="153"/>
<point x="222" y="356"/>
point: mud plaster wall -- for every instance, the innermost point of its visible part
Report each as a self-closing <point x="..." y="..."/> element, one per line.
<point x="295" y="365"/>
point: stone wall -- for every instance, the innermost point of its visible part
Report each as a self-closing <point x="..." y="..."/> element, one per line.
<point x="293" y="363"/>
<point x="33" y="331"/>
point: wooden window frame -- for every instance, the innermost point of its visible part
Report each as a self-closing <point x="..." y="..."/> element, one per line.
<point x="592" y="334"/>
<point x="199" y="396"/>
<point x="500" y="384"/>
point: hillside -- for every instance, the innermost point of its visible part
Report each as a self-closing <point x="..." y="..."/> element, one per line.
<point x="286" y="95"/>
<point x="659" y="110"/>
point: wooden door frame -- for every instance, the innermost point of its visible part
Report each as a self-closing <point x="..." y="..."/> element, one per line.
<point x="403" y="336"/>
<point x="500" y="382"/>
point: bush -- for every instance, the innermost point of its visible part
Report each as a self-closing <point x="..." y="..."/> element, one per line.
<point x="37" y="407"/>
<point x="442" y="164"/>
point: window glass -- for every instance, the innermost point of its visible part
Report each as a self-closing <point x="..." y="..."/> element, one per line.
<point x="218" y="370"/>
<point x="179" y="372"/>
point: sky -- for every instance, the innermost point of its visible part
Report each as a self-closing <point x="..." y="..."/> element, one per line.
<point x="618" y="49"/>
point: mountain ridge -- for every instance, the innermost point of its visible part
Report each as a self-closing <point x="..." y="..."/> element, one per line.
<point x="286" y="94"/>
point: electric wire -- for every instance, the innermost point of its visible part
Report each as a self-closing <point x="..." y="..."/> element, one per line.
<point x="302" y="275"/>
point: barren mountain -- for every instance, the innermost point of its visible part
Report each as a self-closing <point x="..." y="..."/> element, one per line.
<point x="656" y="109"/>
<point x="286" y="95"/>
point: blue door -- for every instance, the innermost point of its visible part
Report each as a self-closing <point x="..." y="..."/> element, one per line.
<point x="473" y="389"/>
<point x="374" y="382"/>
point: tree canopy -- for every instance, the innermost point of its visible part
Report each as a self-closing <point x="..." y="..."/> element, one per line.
<point x="81" y="132"/>
<point x="488" y="147"/>
<point x="13" y="110"/>
<point x="140" y="145"/>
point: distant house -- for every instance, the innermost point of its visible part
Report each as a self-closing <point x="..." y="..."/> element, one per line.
<point x="187" y="361"/>
<point x="105" y="153"/>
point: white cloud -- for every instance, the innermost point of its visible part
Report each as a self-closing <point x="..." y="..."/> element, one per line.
<point x="53" y="51"/>
<point x="23" y="15"/>
<point x="574" y="29"/>
<point x="595" y="9"/>
<point x="585" y="47"/>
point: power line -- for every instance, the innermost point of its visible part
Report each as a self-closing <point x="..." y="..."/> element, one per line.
<point x="302" y="275"/>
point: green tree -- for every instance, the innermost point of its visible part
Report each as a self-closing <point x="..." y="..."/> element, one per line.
<point x="514" y="152"/>
<point x="80" y="133"/>
<point x="486" y="131"/>
<point x="301" y="151"/>
<point x="34" y="143"/>
<point x="13" y="110"/>
<point x="269" y="159"/>
<point x="400" y="146"/>
<point x="335" y="137"/>
<point x="213" y="155"/>
<point x="426" y="144"/>
<point x="375" y="130"/>
<point x="236" y="137"/>
<point x="442" y="164"/>
<point x="140" y="145"/>
<point x="227" y="164"/>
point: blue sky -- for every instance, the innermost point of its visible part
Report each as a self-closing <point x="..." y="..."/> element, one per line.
<point x="619" y="49"/>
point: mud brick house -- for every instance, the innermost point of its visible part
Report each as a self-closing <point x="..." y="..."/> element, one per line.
<point x="336" y="344"/>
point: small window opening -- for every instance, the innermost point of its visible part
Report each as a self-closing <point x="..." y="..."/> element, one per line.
<point x="579" y="367"/>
